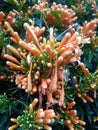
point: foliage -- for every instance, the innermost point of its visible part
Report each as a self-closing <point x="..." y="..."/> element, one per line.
<point x="3" y="39"/>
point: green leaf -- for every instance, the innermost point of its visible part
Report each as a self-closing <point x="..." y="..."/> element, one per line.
<point x="56" y="14"/>
<point x="3" y="38"/>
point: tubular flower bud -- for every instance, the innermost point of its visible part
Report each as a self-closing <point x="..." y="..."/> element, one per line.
<point x="13" y="127"/>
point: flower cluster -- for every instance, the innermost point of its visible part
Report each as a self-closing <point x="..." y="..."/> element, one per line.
<point x="57" y="14"/>
<point x="79" y="7"/>
<point x="89" y="82"/>
<point x="89" y="27"/>
<point x="41" y="60"/>
<point x="34" y="119"/>
<point x="69" y="117"/>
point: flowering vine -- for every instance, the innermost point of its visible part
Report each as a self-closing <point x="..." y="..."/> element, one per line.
<point x="38" y="60"/>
